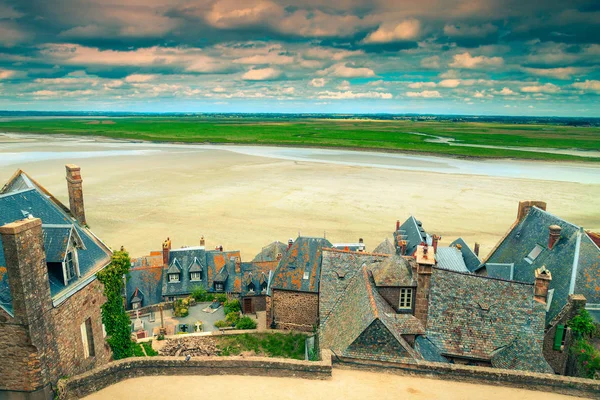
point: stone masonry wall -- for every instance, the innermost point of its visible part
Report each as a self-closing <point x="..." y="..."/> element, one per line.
<point x="295" y="310"/>
<point x="114" y="372"/>
<point x="20" y="367"/>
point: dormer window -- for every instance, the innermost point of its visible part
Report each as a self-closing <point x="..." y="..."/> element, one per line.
<point x="251" y="287"/>
<point x="219" y="286"/>
<point x="71" y="265"/>
<point x="263" y="286"/>
<point x="196" y="276"/>
<point x="406" y="299"/>
<point x="173" y="278"/>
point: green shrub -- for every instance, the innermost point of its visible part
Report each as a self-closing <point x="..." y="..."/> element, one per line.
<point x="221" y="297"/>
<point x="201" y="295"/>
<point x="245" y="323"/>
<point x="582" y="324"/>
<point x="223" y="324"/>
<point x="588" y="358"/>
<point x="160" y="337"/>
<point x="232" y="306"/>
<point x="181" y="307"/>
<point x="232" y="317"/>
<point x="137" y="350"/>
<point x="149" y="350"/>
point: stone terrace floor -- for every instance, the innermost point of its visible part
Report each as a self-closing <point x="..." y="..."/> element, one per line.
<point x="196" y="314"/>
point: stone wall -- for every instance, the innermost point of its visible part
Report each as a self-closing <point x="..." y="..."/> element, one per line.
<point x="579" y="387"/>
<point x="97" y="379"/>
<point x="154" y="307"/>
<point x="295" y="310"/>
<point x="259" y="303"/>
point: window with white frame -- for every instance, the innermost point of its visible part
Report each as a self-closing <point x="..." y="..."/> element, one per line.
<point x="534" y="254"/>
<point x="196" y="276"/>
<point x="87" y="338"/>
<point x="70" y="265"/>
<point x="173" y="278"/>
<point x="219" y="286"/>
<point x="406" y="299"/>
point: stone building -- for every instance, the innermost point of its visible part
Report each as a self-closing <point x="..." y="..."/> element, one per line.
<point x="50" y="321"/>
<point x="539" y="239"/>
<point x="143" y="286"/>
<point x="295" y="286"/>
<point x="257" y="276"/>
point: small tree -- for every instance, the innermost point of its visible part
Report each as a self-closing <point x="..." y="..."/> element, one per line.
<point x="115" y="319"/>
<point x="582" y="324"/>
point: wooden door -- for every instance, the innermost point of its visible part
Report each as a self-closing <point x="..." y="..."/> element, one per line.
<point x="247" y="306"/>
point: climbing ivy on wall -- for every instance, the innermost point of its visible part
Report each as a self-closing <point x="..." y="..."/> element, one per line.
<point x="114" y="317"/>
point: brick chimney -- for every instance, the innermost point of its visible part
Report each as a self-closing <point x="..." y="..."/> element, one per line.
<point x="238" y="265"/>
<point x="435" y="239"/>
<point x="543" y="277"/>
<point x="425" y="263"/>
<point x="476" y="249"/>
<point x="166" y="251"/>
<point x="525" y="206"/>
<point x="397" y="224"/>
<point x="202" y="241"/>
<point x="74" y="183"/>
<point x="554" y="235"/>
<point x="23" y="245"/>
<point x="290" y="243"/>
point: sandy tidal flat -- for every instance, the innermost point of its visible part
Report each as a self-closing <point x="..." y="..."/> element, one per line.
<point x="138" y="194"/>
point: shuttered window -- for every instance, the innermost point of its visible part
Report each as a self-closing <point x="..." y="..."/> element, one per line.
<point x="559" y="337"/>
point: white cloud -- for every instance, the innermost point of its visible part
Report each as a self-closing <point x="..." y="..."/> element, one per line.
<point x="341" y="70"/>
<point x="5" y="73"/>
<point x="432" y="62"/>
<point x="449" y="83"/>
<point x="354" y="95"/>
<point x="588" y="85"/>
<point x="425" y="94"/>
<point x="139" y="78"/>
<point x="263" y="74"/>
<point x="564" y="73"/>
<point x="505" y="92"/>
<point x="420" y="85"/>
<point x="483" y="95"/>
<point x="344" y="85"/>
<point x="409" y="29"/>
<point x="547" y="88"/>
<point x="466" y="60"/>
<point x="271" y="58"/>
<point x="470" y="30"/>
<point x="317" y="82"/>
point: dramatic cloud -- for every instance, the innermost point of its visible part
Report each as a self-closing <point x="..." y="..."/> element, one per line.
<point x="453" y="56"/>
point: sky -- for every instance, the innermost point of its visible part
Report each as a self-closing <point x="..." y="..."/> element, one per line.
<point x="480" y="57"/>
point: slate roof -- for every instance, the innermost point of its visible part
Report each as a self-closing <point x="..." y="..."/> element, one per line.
<point x="428" y="350"/>
<point x="152" y="260"/>
<point x="22" y="196"/>
<point x="574" y="261"/>
<point x="148" y="279"/>
<point x="501" y="271"/>
<point x="221" y="264"/>
<point x="523" y="353"/>
<point x="337" y="271"/>
<point x="413" y="232"/>
<point x="257" y="272"/>
<point x="471" y="260"/>
<point x="362" y="309"/>
<point x="385" y="247"/>
<point x="57" y="239"/>
<point x="349" y="246"/>
<point x="394" y="271"/>
<point x="270" y="251"/>
<point x="450" y="258"/>
<point x="472" y="316"/>
<point x="302" y="260"/>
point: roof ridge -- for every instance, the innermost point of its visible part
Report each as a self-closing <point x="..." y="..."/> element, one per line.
<point x="482" y="276"/>
<point x="555" y="216"/>
<point x="366" y="253"/>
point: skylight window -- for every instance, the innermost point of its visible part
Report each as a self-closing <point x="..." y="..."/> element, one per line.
<point x="534" y="254"/>
<point x="305" y="275"/>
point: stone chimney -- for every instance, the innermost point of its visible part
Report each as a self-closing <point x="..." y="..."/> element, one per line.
<point x="554" y="235"/>
<point x="361" y="245"/>
<point x="435" y="239"/>
<point x="425" y="263"/>
<point x="238" y="265"/>
<point x="397" y="224"/>
<point x="525" y="206"/>
<point x="166" y="251"/>
<point x="476" y="249"/>
<point x="290" y="243"/>
<point x="74" y="183"/>
<point x="202" y="241"/>
<point x="543" y="277"/>
<point x="23" y="245"/>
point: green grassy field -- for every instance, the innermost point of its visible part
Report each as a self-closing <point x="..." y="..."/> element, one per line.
<point x="363" y="134"/>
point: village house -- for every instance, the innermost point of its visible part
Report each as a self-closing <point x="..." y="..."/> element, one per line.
<point x="50" y="320"/>
<point x="143" y="286"/>
<point x="538" y="239"/>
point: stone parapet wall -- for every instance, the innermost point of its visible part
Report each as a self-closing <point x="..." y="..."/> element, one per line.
<point x="148" y="309"/>
<point x="579" y="387"/>
<point x="99" y="378"/>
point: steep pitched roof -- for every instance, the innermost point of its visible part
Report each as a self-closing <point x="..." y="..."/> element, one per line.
<point x="270" y="251"/>
<point x="472" y="316"/>
<point x="22" y="196"/>
<point x="300" y="267"/>
<point x="574" y="260"/>
<point x="148" y="279"/>
<point x="337" y="271"/>
<point x="450" y="258"/>
<point x="180" y="261"/>
<point x="413" y="232"/>
<point x="385" y="247"/>
<point x="523" y="354"/>
<point x="363" y="308"/>
<point x="57" y="239"/>
<point x="257" y="272"/>
<point x="221" y="266"/>
<point x="472" y="261"/>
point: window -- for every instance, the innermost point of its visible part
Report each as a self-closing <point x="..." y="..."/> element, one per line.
<point x="406" y="299"/>
<point x="70" y="267"/>
<point x="135" y="305"/>
<point x="534" y="254"/>
<point x="219" y="286"/>
<point x="173" y="278"/>
<point x="306" y="273"/>
<point x="263" y="286"/>
<point x="196" y="276"/>
<point x="87" y="338"/>
<point x="251" y="287"/>
<point x="559" y="338"/>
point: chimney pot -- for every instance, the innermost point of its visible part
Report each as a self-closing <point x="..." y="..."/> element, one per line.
<point x="398" y="225"/>
<point x="202" y="242"/>
<point x="476" y="249"/>
<point x="360" y="240"/>
<point x="543" y="277"/>
<point x="436" y="239"/>
<point x="75" y="189"/>
<point x="166" y="250"/>
<point x="554" y="235"/>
